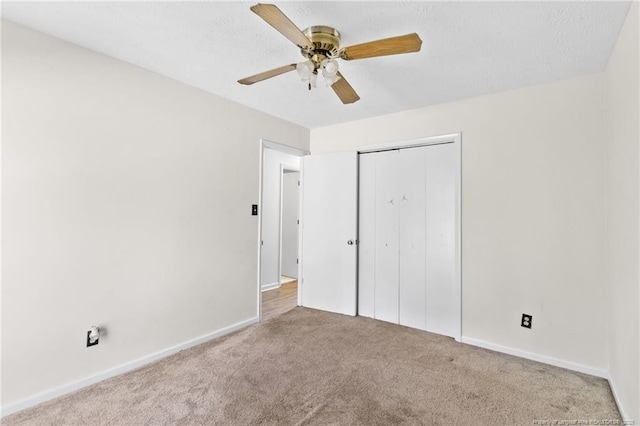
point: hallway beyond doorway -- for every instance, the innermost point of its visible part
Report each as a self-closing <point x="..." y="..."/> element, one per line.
<point x="280" y="300"/>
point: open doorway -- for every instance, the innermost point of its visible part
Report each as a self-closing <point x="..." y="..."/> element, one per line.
<point x="285" y="297"/>
<point x="279" y="233"/>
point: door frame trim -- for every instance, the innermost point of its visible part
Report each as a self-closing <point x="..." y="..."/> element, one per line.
<point x="456" y="140"/>
<point x="287" y="149"/>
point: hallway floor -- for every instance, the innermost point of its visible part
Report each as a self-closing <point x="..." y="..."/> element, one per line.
<point x="279" y="300"/>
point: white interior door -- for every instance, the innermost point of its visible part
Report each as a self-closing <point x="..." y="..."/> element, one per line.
<point x="329" y="232"/>
<point x="290" y="210"/>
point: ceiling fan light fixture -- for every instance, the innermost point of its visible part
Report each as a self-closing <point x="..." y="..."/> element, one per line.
<point x="305" y="70"/>
<point x="329" y="67"/>
<point x="330" y="71"/>
<point x="312" y="79"/>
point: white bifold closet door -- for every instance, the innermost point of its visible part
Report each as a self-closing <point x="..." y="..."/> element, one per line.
<point x="407" y="233"/>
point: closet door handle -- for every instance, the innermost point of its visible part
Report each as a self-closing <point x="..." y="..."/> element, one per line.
<point x="350" y="242"/>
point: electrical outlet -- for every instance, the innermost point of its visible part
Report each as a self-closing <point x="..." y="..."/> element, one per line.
<point x="93" y="336"/>
<point x="526" y="320"/>
<point x="89" y="343"/>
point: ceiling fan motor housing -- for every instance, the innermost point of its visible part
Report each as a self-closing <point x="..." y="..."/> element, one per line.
<point x="326" y="43"/>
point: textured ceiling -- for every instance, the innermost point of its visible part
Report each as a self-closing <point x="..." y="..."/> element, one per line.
<point x="469" y="48"/>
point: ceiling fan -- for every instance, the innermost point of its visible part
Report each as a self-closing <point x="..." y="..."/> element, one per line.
<point x="321" y="46"/>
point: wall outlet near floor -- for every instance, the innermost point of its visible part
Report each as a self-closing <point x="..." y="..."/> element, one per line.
<point x="526" y="320"/>
<point x="93" y="336"/>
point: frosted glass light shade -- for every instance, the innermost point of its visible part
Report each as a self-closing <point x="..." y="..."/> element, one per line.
<point x="330" y="71"/>
<point x="305" y="70"/>
<point x="329" y="66"/>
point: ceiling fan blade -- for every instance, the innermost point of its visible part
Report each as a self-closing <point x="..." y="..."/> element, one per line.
<point x="344" y="91"/>
<point x="388" y="46"/>
<point x="280" y="21"/>
<point x="267" y="74"/>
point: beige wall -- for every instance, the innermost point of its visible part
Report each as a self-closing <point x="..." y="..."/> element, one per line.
<point x="126" y="203"/>
<point x="117" y="211"/>
<point x="532" y="212"/>
<point x="622" y="115"/>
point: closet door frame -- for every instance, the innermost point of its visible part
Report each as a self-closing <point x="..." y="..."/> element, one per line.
<point x="456" y="140"/>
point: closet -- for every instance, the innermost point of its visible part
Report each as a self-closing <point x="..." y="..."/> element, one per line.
<point x="408" y="256"/>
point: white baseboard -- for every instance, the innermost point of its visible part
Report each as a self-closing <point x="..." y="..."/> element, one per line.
<point x="537" y="357"/>
<point x="271" y="286"/>
<point x="621" y="408"/>
<point x="120" y="369"/>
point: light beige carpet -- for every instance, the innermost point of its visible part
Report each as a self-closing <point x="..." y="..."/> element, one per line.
<point x="312" y="367"/>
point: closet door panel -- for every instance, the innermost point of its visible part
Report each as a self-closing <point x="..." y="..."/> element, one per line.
<point x="386" y="236"/>
<point x="443" y="300"/>
<point x="412" y="234"/>
<point x="366" y="234"/>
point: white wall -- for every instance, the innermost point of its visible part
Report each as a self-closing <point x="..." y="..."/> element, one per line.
<point x="532" y="212"/>
<point x="623" y="214"/>
<point x="126" y="203"/>
<point x="290" y="213"/>
<point x="272" y="165"/>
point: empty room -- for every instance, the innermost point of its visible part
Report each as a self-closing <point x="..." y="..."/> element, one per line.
<point x="362" y="213"/>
